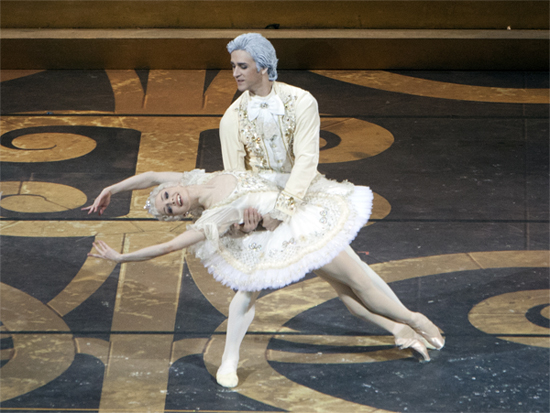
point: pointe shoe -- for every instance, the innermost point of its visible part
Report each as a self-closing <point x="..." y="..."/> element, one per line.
<point x="407" y="338"/>
<point x="227" y="377"/>
<point x="428" y="330"/>
<point x="426" y="344"/>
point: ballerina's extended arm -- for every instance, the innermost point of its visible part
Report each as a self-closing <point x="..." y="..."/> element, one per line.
<point x="182" y="241"/>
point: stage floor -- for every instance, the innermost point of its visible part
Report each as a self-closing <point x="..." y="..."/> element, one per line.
<point x="460" y="229"/>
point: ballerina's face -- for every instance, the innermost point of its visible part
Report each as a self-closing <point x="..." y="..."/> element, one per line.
<point x="173" y="201"/>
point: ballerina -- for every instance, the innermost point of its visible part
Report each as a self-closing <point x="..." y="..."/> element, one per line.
<point x="317" y="236"/>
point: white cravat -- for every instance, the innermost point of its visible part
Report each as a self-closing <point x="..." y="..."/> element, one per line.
<point x="273" y="104"/>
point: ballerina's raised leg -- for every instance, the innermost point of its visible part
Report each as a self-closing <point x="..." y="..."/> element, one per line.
<point x="349" y="272"/>
<point x="404" y="336"/>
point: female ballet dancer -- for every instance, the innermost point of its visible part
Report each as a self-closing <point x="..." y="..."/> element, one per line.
<point x="316" y="237"/>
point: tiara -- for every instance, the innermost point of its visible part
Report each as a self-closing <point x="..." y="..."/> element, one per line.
<point x="149" y="205"/>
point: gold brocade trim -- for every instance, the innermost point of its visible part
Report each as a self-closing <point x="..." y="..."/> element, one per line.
<point x="256" y="158"/>
<point x="289" y="125"/>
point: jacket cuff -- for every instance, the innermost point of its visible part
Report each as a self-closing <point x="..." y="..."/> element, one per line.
<point x="287" y="204"/>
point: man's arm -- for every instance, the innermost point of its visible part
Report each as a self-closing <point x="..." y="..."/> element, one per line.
<point x="233" y="152"/>
<point x="306" y="153"/>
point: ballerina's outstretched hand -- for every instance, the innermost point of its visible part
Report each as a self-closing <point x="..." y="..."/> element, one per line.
<point x="105" y="252"/>
<point x="100" y="203"/>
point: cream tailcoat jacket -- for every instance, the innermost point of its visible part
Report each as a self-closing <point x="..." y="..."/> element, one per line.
<point x="244" y="146"/>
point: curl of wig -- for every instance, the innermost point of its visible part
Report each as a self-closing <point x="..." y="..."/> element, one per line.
<point x="261" y="50"/>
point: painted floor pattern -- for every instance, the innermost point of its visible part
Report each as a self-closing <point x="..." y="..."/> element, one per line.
<point x="458" y="162"/>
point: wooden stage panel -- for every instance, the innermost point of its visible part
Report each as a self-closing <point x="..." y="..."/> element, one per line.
<point x="299" y="49"/>
<point x="254" y="15"/>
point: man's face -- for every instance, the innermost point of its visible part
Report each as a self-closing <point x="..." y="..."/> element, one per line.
<point x="245" y="72"/>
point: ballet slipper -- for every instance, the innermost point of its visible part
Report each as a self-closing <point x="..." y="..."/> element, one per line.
<point x="229" y="380"/>
<point x="406" y="337"/>
<point x="428" y="330"/>
<point x="226" y="376"/>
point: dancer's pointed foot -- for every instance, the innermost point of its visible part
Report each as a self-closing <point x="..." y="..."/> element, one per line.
<point x="406" y="337"/>
<point x="227" y="376"/>
<point x="423" y="326"/>
<point x="426" y="344"/>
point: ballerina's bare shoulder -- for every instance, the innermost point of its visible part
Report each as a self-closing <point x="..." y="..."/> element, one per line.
<point x="221" y="187"/>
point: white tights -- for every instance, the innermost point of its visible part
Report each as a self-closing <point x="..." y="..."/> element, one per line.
<point x="241" y="314"/>
<point x="363" y="292"/>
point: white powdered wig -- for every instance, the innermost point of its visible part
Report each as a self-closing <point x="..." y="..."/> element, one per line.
<point x="261" y="50"/>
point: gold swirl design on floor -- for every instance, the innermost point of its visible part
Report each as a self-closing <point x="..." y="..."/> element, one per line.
<point x="393" y="82"/>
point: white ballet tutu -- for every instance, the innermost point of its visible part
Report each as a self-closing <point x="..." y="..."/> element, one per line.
<point x="324" y="224"/>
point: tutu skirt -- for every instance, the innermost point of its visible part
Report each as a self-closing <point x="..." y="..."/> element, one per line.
<point x="324" y="224"/>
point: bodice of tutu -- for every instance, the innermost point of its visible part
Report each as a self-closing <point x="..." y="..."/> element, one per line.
<point x="250" y="190"/>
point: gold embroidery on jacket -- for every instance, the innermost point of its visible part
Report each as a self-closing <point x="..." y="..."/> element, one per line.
<point x="256" y="158"/>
